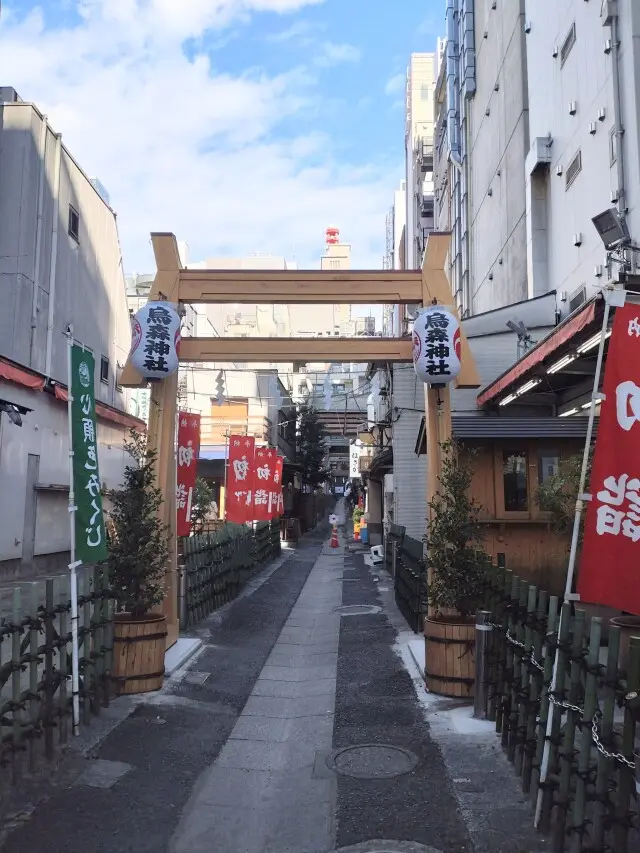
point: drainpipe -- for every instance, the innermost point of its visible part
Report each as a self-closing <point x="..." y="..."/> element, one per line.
<point x="42" y="153"/>
<point x="617" y="114"/>
<point x="54" y="252"/>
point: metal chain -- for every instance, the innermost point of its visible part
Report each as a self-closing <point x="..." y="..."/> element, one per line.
<point x="617" y="756"/>
<point x="595" y="734"/>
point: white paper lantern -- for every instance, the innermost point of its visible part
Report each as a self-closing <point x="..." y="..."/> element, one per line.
<point x="155" y="342"/>
<point x="436" y="345"/>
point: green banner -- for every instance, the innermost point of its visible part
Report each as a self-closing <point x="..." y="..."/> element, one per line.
<point x="91" y="546"/>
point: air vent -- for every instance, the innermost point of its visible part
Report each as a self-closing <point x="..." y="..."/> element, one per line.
<point x="573" y="169"/>
<point x="567" y="44"/>
<point x="577" y="298"/>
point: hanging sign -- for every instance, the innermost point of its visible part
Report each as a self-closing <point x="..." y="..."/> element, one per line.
<point x="88" y="518"/>
<point x="611" y="546"/>
<point x="436" y="345"/>
<point x="354" y="461"/>
<point x="277" y="499"/>
<point x="155" y="340"/>
<point x="240" y="472"/>
<point x="263" y="483"/>
<point x="187" y="469"/>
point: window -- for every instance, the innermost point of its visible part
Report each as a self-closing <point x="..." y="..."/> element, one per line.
<point x="424" y="92"/>
<point x="339" y="387"/>
<point x="334" y="264"/>
<point x="567" y="44"/>
<point x="573" y="169"/>
<point x="515" y="481"/>
<point x="74" y="223"/>
<point x="613" y="151"/>
<point x="104" y="369"/>
<point x="548" y="465"/>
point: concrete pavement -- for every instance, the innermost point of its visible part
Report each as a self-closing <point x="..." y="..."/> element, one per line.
<point x="261" y="795"/>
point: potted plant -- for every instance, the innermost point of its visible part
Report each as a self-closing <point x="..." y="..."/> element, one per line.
<point x="457" y="576"/>
<point x="138" y="554"/>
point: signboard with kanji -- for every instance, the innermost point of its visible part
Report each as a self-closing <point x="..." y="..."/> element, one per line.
<point x="611" y="545"/>
<point x="436" y="345"/>
<point x="155" y="340"/>
<point x="187" y="458"/>
<point x="240" y="473"/>
<point x="90" y="540"/>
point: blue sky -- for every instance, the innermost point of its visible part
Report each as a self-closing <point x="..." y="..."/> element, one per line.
<point x="241" y="125"/>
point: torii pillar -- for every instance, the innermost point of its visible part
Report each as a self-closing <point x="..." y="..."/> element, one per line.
<point x="162" y="423"/>
<point x="437" y="401"/>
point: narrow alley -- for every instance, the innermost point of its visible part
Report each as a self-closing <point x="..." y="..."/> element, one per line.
<point x="296" y="729"/>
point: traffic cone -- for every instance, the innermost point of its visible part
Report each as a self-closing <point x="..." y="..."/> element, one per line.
<point x="334" y="537"/>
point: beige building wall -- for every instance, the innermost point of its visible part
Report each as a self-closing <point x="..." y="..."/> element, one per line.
<point x="419" y="120"/>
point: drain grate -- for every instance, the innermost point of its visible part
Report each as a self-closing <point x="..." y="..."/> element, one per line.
<point x="372" y="761"/>
<point x="357" y="609"/>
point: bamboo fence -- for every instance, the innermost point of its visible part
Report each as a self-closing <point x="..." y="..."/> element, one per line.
<point x="588" y="800"/>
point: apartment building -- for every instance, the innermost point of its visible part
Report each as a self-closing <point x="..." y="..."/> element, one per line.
<point x="60" y="270"/>
<point x="419" y="117"/>
<point x="584" y="157"/>
<point x="481" y="142"/>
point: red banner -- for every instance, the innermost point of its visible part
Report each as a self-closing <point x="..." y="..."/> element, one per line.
<point x="238" y="499"/>
<point x="187" y="469"/>
<point x="263" y="483"/>
<point x="611" y="546"/>
<point x="276" y="491"/>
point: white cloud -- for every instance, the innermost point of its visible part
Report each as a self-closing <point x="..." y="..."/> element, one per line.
<point x="336" y="54"/>
<point x="184" y="148"/>
<point x="299" y="31"/>
<point x="395" y="84"/>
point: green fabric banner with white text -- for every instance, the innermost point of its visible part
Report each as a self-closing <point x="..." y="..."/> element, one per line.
<point x="91" y="546"/>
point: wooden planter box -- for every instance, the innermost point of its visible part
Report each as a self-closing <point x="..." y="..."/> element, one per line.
<point x="139" y="646"/>
<point x="450" y="656"/>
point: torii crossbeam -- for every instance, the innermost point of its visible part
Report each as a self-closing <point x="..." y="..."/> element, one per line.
<point x="176" y="284"/>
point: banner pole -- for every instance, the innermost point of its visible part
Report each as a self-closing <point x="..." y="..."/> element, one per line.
<point x="226" y="468"/>
<point x="581" y="499"/>
<point x="73" y="563"/>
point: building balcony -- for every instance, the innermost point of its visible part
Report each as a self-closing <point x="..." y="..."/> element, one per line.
<point x="425" y="155"/>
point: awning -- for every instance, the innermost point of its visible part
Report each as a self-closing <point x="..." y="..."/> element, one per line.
<point x="107" y="413"/>
<point x="20" y="376"/>
<point x="564" y="333"/>
<point x="480" y="428"/>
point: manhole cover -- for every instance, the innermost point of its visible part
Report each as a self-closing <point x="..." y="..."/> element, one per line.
<point x="357" y="609"/>
<point x="388" y="847"/>
<point x="372" y="761"/>
<point x="196" y="678"/>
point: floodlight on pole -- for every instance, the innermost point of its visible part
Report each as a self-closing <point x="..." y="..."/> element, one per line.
<point x="612" y="228"/>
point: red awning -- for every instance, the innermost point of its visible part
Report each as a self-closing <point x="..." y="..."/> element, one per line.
<point x="13" y="373"/>
<point x="562" y="335"/>
<point x="107" y="413"/>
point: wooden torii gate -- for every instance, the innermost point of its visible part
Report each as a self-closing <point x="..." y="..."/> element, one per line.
<point x="176" y="284"/>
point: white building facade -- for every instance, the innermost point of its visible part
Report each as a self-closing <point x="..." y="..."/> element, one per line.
<point x="60" y="270"/>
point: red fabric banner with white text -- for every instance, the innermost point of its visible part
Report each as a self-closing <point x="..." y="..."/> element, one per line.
<point x="611" y="546"/>
<point x="263" y="483"/>
<point x="187" y="469"/>
<point x="276" y="491"/>
<point x="238" y="500"/>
